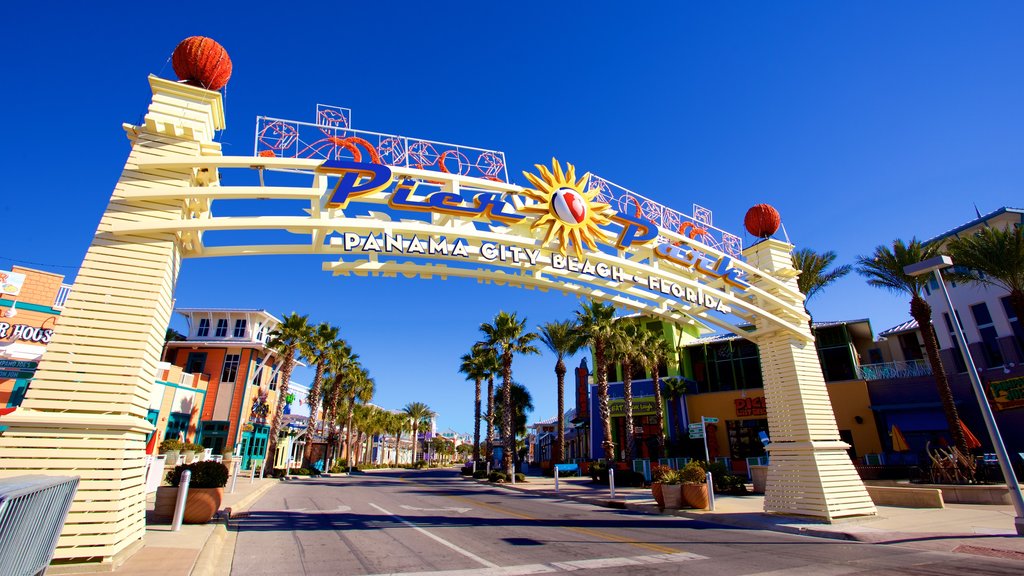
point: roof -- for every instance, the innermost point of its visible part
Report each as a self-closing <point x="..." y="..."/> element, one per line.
<point x="980" y="220"/>
<point x="905" y="327"/>
<point x="187" y="311"/>
<point x="824" y="324"/>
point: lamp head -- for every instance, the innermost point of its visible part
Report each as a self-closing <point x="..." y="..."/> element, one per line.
<point x="928" y="266"/>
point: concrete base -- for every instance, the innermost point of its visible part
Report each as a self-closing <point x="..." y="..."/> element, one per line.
<point x="99" y="565"/>
<point x="906" y="497"/>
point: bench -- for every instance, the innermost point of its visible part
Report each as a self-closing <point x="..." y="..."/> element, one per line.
<point x="566" y="468"/>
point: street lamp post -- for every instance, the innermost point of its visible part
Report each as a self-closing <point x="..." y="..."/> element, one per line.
<point x="934" y="265"/>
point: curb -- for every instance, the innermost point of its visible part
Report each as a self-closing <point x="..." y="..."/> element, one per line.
<point x="219" y="550"/>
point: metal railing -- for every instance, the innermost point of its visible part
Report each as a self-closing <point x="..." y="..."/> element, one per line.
<point x="892" y="370"/>
<point x="32" y="513"/>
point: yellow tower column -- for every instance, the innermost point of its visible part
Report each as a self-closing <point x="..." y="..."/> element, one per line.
<point x="84" y="414"/>
<point x="810" y="474"/>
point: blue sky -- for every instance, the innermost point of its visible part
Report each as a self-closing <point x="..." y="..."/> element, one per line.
<point x="861" y="122"/>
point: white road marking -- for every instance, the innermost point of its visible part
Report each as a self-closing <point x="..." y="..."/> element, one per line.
<point x="459" y="510"/>
<point x="341" y="508"/>
<point x="438" y="539"/>
<point x="570" y="566"/>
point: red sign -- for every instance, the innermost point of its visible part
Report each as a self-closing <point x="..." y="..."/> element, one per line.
<point x="747" y="407"/>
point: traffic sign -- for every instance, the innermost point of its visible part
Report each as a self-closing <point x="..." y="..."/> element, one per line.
<point x="710" y="420"/>
<point x="697" y="426"/>
<point x="694" y="436"/>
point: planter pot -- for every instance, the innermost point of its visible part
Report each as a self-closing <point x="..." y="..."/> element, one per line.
<point x="673" y="494"/>
<point x="696" y="495"/>
<point x="200" y="504"/>
<point x="759" y="475"/>
<point x="172" y="457"/>
<point x="659" y="495"/>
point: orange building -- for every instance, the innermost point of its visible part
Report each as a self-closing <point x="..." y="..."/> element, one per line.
<point x="228" y="348"/>
<point x="30" y="304"/>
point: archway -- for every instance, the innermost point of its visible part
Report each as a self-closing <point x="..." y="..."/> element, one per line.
<point x="411" y="210"/>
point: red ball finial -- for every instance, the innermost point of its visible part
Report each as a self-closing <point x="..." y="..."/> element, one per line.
<point x="762" y="220"/>
<point x="201" y="61"/>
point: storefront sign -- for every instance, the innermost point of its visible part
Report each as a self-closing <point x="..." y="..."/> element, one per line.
<point x="18" y="365"/>
<point x="749" y="407"/>
<point x="11" y="283"/>
<point x="1007" y="394"/>
<point x="641" y="407"/>
<point x="25" y="332"/>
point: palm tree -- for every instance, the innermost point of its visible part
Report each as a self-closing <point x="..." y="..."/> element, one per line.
<point x="401" y="424"/>
<point x="285" y="339"/>
<point x="420" y="414"/>
<point x="814" y="276"/>
<point x="359" y="387"/>
<point x="998" y="253"/>
<point x="675" y="389"/>
<point x="491" y="366"/>
<point x="505" y="335"/>
<point x="596" y="324"/>
<point x="341" y="363"/>
<point x="653" y="351"/>
<point x="317" y="351"/>
<point x="562" y="339"/>
<point x="884" y="269"/>
<point x="522" y="401"/>
<point x="624" y="346"/>
<point x="473" y="367"/>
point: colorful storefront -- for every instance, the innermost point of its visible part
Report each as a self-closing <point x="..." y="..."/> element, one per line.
<point x="30" y="305"/>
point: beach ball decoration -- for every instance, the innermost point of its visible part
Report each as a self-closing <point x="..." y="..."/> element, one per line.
<point x="762" y="220"/>
<point x="569" y="206"/>
<point x="201" y="61"/>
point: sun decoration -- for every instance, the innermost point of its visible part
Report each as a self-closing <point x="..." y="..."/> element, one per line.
<point x="566" y="208"/>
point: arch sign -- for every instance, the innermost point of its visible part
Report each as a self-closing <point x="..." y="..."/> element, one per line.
<point x="377" y="204"/>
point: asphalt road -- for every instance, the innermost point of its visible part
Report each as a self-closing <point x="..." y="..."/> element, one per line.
<point x="434" y="522"/>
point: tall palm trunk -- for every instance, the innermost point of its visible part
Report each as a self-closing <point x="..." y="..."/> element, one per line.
<point x="314" y="402"/>
<point x="602" y="399"/>
<point x="348" y="428"/>
<point x="415" y="440"/>
<point x="506" y="424"/>
<point x="559" y="451"/>
<point x="398" y="444"/>
<point x="476" y="424"/>
<point x="275" y="425"/>
<point x="627" y="398"/>
<point x="659" y="409"/>
<point x="490" y="418"/>
<point x="922" y="312"/>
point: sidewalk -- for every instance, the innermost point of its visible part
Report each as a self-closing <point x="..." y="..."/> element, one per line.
<point x="986" y="530"/>
<point x="195" y="549"/>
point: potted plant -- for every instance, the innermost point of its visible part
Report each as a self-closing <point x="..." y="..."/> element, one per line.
<point x="228" y="455"/>
<point x="671" y="489"/>
<point x="171" y="448"/>
<point x="205" y="492"/>
<point x="658" y="475"/>
<point x="695" y="488"/>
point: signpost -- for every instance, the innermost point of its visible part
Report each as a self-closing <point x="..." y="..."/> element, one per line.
<point x="700" y="427"/>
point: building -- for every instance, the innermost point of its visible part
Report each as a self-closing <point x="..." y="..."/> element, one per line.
<point x="900" y="378"/>
<point x="228" y="347"/>
<point x="720" y="377"/>
<point x="30" y="306"/>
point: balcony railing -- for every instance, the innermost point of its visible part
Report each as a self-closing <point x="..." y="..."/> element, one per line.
<point x="891" y="370"/>
<point x="62" y="296"/>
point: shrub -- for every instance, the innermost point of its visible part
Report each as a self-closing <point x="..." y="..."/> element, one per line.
<point x="520" y="477"/>
<point x="628" y="478"/>
<point x="193" y="447"/>
<point x="599" y="472"/>
<point x="497" y="477"/>
<point x="480" y="474"/>
<point x="466" y="470"/>
<point x="206" y="474"/>
<point x="170" y="444"/>
<point x="337" y="469"/>
<point x="693" y="473"/>
<point x="227" y="450"/>
<point x="663" y="474"/>
<point x="420" y="464"/>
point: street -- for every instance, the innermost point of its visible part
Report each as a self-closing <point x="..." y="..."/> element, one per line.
<point x="435" y="522"/>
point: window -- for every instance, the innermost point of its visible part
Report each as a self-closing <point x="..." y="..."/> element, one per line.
<point x="835" y="353"/>
<point x="730" y="365"/>
<point x="222" y="328"/>
<point x="958" y="358"/>
<point x="1015" y="325"/>
<point x="260" y="331"/>
<point x="230" y="369"/>
<point x="910" y="346"/>
<point x="204" y="328"/>
<point x="989" y="338"/>
<point x="273" y="381"/>
<point x="196" y="362"/>
<point x="239" y="329"/>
